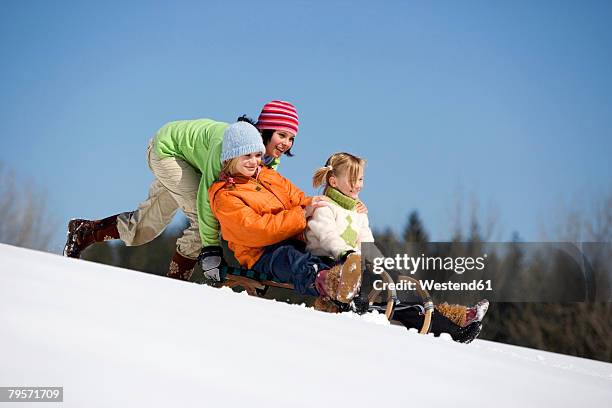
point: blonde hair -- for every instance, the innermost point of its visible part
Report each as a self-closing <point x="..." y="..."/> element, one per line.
<point x="229" y="166"/>
<point x="337" y="164"/>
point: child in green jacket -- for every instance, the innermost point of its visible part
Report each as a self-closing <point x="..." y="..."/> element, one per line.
<point x="184" y="157"/>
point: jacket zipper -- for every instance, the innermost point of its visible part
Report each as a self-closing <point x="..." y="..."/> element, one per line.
<point x="257" y="183"/>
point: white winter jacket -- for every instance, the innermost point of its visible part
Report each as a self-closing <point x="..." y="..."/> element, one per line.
<point x="337" y="228"/>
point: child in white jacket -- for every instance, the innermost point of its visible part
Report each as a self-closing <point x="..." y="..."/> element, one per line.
<point x="337" y="230"/>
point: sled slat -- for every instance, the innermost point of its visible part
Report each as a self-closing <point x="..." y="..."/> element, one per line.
<point x="278" y="284"/>
<point x="250" y="285"/>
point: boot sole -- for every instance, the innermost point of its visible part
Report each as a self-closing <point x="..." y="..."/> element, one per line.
<point x="350" y="279"/>
<point x="72" y="227"/>
<point x="482" y="311"/>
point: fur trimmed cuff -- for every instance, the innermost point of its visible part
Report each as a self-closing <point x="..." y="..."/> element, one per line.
<point x="455" y="313"/>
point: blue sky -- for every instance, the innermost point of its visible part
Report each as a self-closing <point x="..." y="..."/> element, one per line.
<point x="506" y="102"/>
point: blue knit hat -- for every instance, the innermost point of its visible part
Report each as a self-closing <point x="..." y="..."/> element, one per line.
<point x="241" y="138"/>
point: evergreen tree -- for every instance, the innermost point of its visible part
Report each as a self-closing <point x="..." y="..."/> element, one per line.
<point x="414" y="230"/>
<point x="386" y="241"/>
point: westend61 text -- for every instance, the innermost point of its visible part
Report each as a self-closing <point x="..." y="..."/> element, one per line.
<point x="433" y="285"/>
<point x="412" y="264"/>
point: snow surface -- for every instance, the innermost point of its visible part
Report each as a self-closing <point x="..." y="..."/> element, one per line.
<point x="114" y="337"/>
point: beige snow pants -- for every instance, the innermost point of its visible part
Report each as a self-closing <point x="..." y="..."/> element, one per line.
<point x="175" y="186"/>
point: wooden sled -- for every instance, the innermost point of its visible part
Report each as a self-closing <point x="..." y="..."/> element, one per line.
<point x="257" y="284"/>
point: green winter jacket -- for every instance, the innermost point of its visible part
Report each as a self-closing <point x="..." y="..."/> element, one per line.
<point x="198" y="142"/>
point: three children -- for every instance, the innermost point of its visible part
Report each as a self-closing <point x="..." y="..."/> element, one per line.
<point x="262" y="215"/>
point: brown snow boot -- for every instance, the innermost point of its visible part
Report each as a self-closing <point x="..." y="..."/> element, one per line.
<point x="83" y="233"/>
<point x="181" y="267"/>
<point x="341" y="282"/>
<point x="324" y="304"/>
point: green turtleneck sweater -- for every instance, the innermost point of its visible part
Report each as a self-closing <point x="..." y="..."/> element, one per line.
<point x="337" y="228"/>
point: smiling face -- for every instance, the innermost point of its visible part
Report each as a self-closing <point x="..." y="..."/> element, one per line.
<point x="343" y="184"/>
<point x="247" y="165"/>
<point x="279" y="143"/>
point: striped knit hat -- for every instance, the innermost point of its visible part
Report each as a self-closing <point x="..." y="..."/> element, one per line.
<point x="278" y="115"/>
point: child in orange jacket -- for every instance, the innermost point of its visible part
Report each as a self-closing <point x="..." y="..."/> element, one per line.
<point x="261" y="213"/>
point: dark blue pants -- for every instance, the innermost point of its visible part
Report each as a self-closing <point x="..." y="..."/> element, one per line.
<point x="289" y="262"/>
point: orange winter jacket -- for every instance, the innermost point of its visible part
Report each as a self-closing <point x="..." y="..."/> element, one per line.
<point x="255" y="212"/>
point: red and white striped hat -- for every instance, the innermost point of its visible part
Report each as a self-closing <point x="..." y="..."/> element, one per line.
<point x="278" y="115"/>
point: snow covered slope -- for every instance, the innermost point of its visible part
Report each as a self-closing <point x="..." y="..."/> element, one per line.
<point x="113" y="337"/>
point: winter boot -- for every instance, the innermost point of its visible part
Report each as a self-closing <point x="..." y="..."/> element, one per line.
<point x="468" y="333"/>
<point x="342" y="281"/>
<point x="324" y="304"/>
<point x="412" y="318"/>
<point x="476" y="313"/>
<point x="83" y="233"/>
<point x="181" y="267"/>
<point x="463" y="316"/>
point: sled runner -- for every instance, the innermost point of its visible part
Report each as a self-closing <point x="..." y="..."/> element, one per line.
<point x="382" y="300"/>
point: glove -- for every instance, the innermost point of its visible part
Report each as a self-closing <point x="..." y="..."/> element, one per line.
<point x="211" y="261"/>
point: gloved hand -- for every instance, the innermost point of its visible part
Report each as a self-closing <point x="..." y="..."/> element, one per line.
<point x="211" y="261"/>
